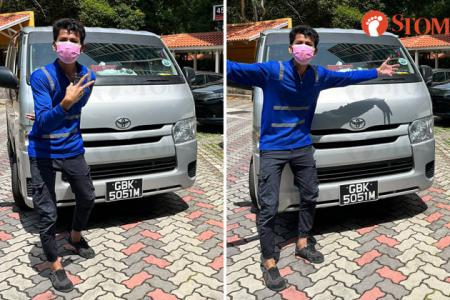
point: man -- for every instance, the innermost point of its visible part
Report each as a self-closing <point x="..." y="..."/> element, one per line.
<point x="55" y="143"/>
<point x="291" y="89"/>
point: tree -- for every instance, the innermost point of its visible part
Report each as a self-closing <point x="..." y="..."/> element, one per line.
<point x="159" y="16"/>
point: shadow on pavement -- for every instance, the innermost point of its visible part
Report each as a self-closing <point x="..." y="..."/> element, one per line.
<point x="443" y="122"/>
<point x="103" y="215"/>
<point x="339" y="219"/>
<point x="207" y="128"/>
<point x="114" y="213"/>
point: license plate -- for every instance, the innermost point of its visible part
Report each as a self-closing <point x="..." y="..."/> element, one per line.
<point x="123" y="189"/>
<point x="358" y="192"/>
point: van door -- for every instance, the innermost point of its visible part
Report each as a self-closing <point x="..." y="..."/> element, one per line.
<point x="13" y="108"/>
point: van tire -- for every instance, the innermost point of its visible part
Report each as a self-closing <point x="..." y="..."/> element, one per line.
<point x="15" y="185"/>
<point x="251" y="187"/>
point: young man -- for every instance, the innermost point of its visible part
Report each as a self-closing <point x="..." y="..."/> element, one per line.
<point x="291" y="89"/>
<point x="55" y="143"/>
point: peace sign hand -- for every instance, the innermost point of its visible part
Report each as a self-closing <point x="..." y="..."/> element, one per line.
<point x="74" y="92"/>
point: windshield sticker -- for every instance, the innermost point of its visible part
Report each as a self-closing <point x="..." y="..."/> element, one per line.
<point x="166" y="62"/>
<point x="340" y="67"/>
<point x="402" y="61"/>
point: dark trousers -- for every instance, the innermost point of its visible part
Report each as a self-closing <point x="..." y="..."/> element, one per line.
<point x="302" y="164"/>
<point x="44" y="199"/>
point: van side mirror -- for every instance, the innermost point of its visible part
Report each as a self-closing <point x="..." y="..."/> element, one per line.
<point x="427" y="73"/>
<point x="7" y="79"/>
<point x="189" y="73"/>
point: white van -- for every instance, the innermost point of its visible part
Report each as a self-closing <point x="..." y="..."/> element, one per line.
<point x="372" y="140"/>
<point x="139" y="123"/>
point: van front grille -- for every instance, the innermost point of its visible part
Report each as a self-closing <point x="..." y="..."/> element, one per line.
<point x="112" y="130"/>
<point x="366" y="170"/>
<point x="126" y="142"/>
<point x="359" y="143"/>
<point x="131" y="168"/>
<point x="344" y="131"/>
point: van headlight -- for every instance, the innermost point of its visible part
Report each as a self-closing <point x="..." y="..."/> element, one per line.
<point x="184" y="130"/>
<point x="421" y="130"/>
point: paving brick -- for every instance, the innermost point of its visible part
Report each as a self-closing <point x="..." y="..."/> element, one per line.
<point x="372" y="294"/>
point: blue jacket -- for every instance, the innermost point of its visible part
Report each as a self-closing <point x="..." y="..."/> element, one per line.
<point x="55" y="133"/>
<point x="290" y="101"/>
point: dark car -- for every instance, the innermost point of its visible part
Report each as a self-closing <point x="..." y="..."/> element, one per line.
<point x="440" y="95"/>
<point x="205" y="78"/>
<point x="440" y="76"/>
<point x="209" y="103"/>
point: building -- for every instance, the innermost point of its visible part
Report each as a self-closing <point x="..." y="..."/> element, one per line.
<point x="193" y="46"/>
<point x="243" y="38"/>
<point x="435" y="46"/>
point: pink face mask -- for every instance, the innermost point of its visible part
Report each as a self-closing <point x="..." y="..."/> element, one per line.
<point x="68" y="52"/>
<point x="302" y="53"/>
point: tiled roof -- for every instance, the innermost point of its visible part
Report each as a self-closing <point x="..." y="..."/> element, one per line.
<point x="193" y="40"/>
<point x="426" y="41"/>
<point x="6" y="19"/>
<point x="251" y="31"/>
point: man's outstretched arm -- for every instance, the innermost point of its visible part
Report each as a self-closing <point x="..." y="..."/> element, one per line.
<point x="257" y="74"/>
<point x="341" y="79"/>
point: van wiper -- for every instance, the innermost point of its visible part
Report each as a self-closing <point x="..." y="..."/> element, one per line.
<point x="157" y="80"/>
<point x="392" y="78"/>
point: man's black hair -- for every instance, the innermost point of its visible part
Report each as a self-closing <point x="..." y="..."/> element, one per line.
<point x="307" y="31"/>
<point x="70" y="25"/>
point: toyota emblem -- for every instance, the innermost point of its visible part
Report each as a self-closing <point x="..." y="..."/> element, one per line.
<point x="357" y="123"/>
<point x="123" y="123"/>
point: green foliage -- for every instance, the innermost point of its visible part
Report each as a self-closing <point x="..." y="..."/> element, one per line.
<point x="96" y="13"/>
<point x="346" y="17"/>
<point x="159" y="16"/>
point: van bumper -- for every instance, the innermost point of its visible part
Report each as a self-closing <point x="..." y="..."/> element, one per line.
<point x="388" y="186"/>
<point x="156" y="183"/>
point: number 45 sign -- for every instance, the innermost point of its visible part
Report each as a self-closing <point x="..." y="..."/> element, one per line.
<point x="218" y="12"/>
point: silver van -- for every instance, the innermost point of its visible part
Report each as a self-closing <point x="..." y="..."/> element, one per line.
<point x="138" y="127"/>
<point x="372" y="140"/>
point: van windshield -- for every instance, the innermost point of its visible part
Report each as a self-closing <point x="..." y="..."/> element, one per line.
<point x="115" y="63"/>
<point x="343" y="57"/>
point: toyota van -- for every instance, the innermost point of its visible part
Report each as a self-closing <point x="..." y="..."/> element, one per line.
<point x="138" y="126"/>
<point x="372" y="140"/>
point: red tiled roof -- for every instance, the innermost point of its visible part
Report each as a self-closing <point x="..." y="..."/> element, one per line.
<point x="251" y="31"/>
<point x="192" y="40"/>
<point x="426" y="41"/>
<point x="6" y="19"/>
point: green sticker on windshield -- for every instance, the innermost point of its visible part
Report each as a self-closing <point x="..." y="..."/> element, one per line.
<point x="402" y="61"/>
<point x="166" y="62"/>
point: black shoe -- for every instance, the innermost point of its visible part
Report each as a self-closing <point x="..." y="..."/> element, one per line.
<point x="60" y="281"/>
<point x="310" y="254"/>
<point x="273" y="279"/>
<point x="82" y="248"/>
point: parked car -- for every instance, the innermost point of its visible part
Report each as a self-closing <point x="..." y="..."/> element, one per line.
<point x="440" y="76"/>
<point x="209" y="103"/>
<point x="440" y="95"/>
<point x="372" y="140"/>
<point x="139" y="122"/>
<point x="203" y="78"/>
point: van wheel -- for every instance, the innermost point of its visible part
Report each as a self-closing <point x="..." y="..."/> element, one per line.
<point x="251" y="187"/>
<point x="15" y="186"/>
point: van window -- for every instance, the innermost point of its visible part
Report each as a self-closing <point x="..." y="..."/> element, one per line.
<point x="113" y="61"/>
<point x="343" y="57"/>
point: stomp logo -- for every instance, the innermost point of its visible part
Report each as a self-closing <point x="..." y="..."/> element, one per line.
<point x="375" y="23"/>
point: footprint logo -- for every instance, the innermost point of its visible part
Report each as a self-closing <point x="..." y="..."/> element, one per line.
<point x="374" y="23"/>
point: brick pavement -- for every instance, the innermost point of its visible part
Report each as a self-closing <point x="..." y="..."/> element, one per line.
<point x="392" y="249"/>
<point x="162" y="247"/>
